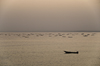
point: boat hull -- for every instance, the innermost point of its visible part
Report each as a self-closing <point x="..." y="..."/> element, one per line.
<point x="69" y="52"/>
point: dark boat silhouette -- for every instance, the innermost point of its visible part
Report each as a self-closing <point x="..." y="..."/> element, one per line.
<point x="70" y="52"/>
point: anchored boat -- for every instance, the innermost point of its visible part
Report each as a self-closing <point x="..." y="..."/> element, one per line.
<point x="70" y="52"/>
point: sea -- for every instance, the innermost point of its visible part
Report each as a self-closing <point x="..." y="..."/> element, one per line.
<point x="47" y="48"/>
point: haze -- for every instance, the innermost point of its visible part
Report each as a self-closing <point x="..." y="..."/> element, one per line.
<point x="49" y="15"/>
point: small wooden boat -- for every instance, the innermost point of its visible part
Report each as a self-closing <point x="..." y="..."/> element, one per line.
<point x="70" y="52"/>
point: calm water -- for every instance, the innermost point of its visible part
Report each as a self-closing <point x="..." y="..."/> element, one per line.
<point x="47" y="49"/>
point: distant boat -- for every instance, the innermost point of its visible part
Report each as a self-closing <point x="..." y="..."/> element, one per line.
<point x="69" y="52"/>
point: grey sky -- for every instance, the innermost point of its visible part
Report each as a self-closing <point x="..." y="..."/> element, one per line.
<point x="49" y="15"/>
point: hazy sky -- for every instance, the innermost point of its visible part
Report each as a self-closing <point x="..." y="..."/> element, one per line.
<point x="49" y="15"/>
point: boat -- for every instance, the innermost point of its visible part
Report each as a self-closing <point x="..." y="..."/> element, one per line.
<point x="70" y="52"/>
